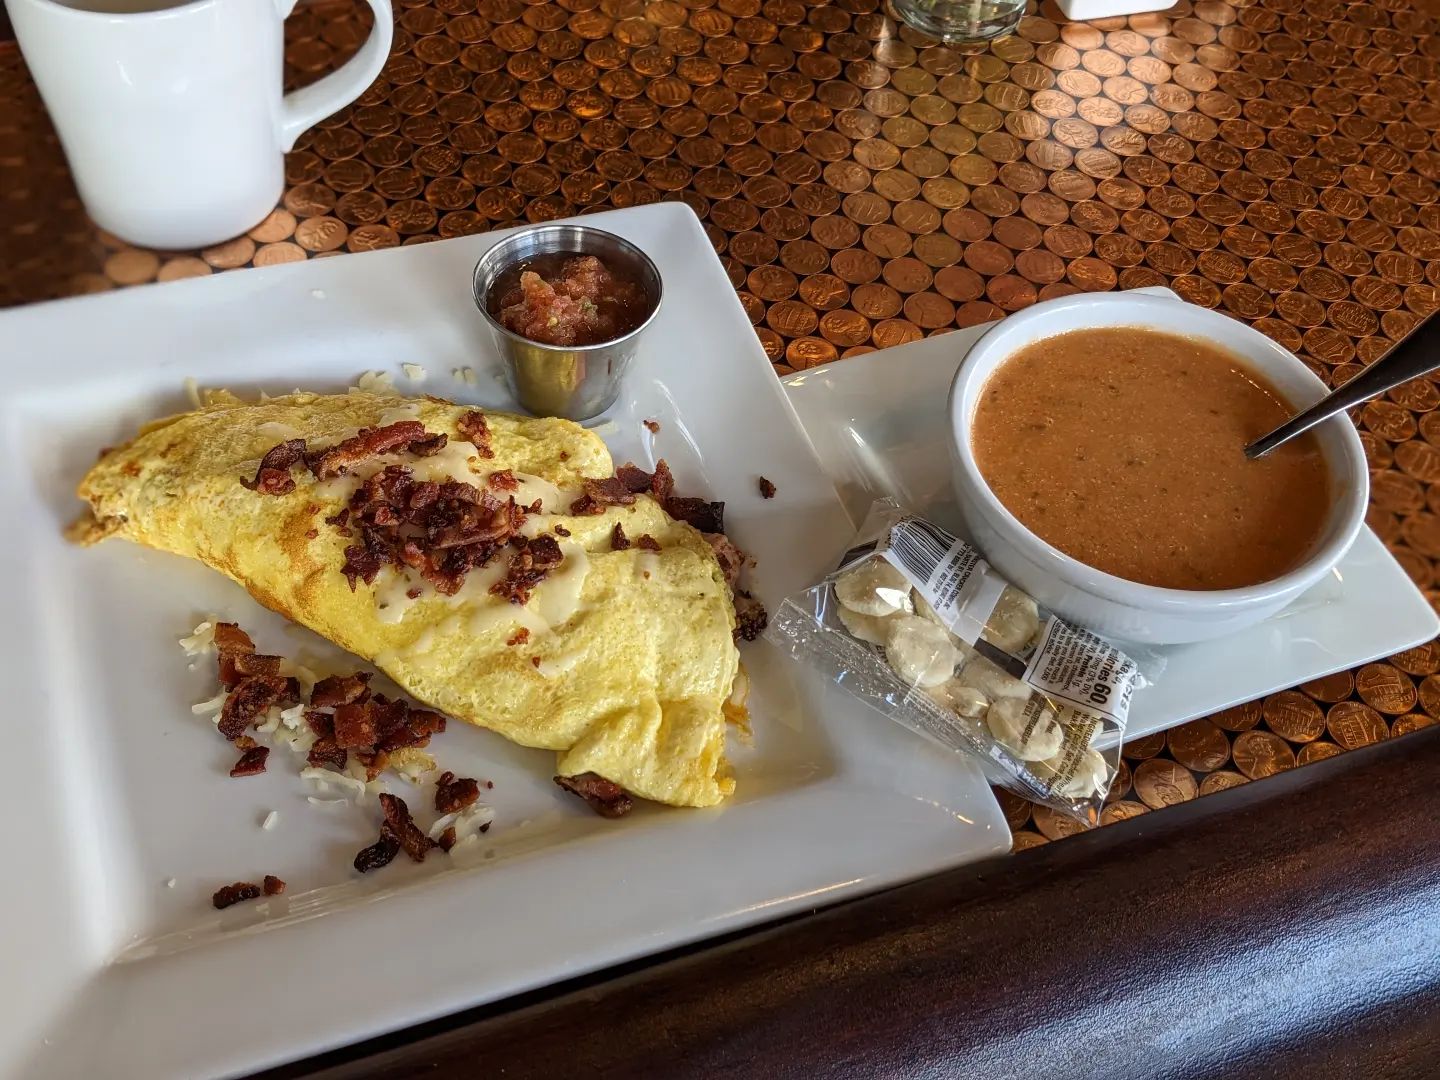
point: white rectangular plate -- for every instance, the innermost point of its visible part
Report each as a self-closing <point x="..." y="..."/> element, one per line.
<point x="116" y="788"/>
<point x="880" y="425"/>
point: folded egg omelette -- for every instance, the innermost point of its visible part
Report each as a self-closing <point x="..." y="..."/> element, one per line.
<point x="621" y="657"/>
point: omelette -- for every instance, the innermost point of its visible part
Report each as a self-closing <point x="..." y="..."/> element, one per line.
<point x="588" y="621"/>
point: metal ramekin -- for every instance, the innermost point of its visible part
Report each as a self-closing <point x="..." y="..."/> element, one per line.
<point x="574" y="382"/>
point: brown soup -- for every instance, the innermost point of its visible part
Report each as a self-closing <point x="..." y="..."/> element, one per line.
<point x="1123" y="447"/>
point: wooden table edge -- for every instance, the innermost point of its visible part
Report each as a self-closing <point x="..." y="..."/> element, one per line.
<point x="1286" y="928"/>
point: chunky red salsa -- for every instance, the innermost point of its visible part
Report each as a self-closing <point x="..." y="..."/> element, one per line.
<point x="565" y="299"/>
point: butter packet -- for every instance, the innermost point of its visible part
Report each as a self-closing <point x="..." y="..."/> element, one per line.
<point x="917" y="624"/>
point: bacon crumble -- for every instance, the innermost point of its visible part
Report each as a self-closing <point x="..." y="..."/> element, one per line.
<point x="251" y="697"/>
<point x="652" y="426"/>
<point x="476" y="429"/>
<point x="336" y="690"/>
<point x="618" y="540"/>
<point x="608" y="491"/>
<point x="273" y="475"/>
<point x="454" y="794"/>
<point x="369" y="443"/>
<point x="441" y="530"/>
<point x="533" y="560"/>
<point x="401" y="827"/>
<point x="647" y="543"/>
<point x="605" y="797"/>
<point x="503" y="480"/>
<point x="252" y="762"/>
<point x="240" y="891"/>
<point x="378" y="854"/>
<point x="273" y="886"/>
<point x="767" y="489"/>
<point x="520" y="637"/>
<point x="750" y="617"/>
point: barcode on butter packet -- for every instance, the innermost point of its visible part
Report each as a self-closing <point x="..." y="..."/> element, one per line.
<point x="918" y="625"/>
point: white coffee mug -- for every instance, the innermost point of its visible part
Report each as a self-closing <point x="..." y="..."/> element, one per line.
<point x="172" y="117"/>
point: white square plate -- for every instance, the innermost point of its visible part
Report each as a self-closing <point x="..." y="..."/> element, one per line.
<point x="880" y="425"/>
<point x="116" y="788"/>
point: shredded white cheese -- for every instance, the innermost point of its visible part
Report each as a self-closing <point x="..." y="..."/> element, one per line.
<point x="271" y="819"/>
<point x="414" y="772"/>
<point x="467" y="822"/>
<point x="326" y="802"/>
<point x="201" y="639"/>
<point x="213" y="705"/>
<point x="414" y="372"/>
<point x="170" y="884"/>
<point x="327" y="780"/>
<point x="375" y="382"/>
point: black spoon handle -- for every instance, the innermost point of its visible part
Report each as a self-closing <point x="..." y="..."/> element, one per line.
<point x="1417" y="354"/>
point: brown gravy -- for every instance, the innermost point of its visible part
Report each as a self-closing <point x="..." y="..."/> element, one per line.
<point x="1123" y="447"/>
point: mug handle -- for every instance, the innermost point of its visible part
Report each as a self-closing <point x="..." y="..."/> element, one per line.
<point x="309" y="105"/>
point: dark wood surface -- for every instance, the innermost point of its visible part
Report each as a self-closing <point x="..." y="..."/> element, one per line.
<point x="1259" y="932"/>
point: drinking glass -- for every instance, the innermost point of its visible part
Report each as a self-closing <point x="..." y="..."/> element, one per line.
<point x="958" y="21"/>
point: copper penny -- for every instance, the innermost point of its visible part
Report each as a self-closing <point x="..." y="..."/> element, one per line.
<point x="1015" y="809"/>
<point x="988" y="258"/>
<point x="961" y="284"/>
<point x="1353" y="724"/>
<point x="1199" y="745"/>
<point x="1411" y="722"/>
<point x="1117" y="249"/>
<point x="845" y="328"/>
<point x="1120" y="785"/>
<point x="1330" y="688"/>
<point x="876" y="301"/>
<point x="372" y="237"/>
<point x="976" y="312"/>
<point x="132" y="266"/>
<point x="1122" y="811"/>
<point x="1091" y="275"/>
<point x="1040" y="267"/>
<point x="1385" y="688"/>
<point x="1293" y="716"/>
<point x="1145" y="747"/>
<point x="1419" y="661"/>
<point x="894" y="332"/>
<point x="906" y="274"/>
<point x="806" y="257"/>
<point x="1317" y="751"/>
<point x="231" y="254"/>
<point x="280" y="252"/>
<point x="1160" y="783"/>
<point x="824" y="292"/>
<point x="321" y="234"/>
<point x="809" y="352"/>
<point x="278" y="225"/>
<point x="309" y="200"/>
<point x="182" y="266"/>
<point x="1221" y="781"/>
<point x="1262" y="753"/>
<point x="1025" y="840"/>
<point x="835" y="233"/>
<point x="1054" y="825"/>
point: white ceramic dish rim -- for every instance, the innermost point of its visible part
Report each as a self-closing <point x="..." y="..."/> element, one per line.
<point x="1349" y="472"/>
<point x="904" y="807"/>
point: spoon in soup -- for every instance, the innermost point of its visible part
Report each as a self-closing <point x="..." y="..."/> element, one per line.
<point x="1418" y="353"/>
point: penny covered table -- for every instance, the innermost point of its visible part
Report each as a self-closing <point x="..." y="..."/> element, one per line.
<point x="866" y="187"/>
